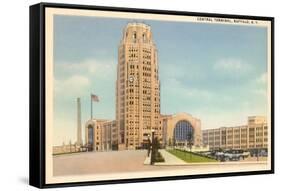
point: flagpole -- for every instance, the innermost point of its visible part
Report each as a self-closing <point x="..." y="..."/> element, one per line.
<point x="91" y="107"/>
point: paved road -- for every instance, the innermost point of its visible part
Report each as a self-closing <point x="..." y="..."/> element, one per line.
<point x="100" y="162"/>
<point x="126" y="161"/>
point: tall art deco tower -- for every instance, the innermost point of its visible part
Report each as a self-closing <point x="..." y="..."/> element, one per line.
<point x="137" y="87"/>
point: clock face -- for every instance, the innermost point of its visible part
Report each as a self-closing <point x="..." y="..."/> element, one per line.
<point x="131" y="79"/>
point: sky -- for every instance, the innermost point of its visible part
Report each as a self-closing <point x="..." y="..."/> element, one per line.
<point x="217" y="73"/>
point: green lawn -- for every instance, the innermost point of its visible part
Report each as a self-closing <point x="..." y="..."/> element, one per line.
<point x="189" y="157"/>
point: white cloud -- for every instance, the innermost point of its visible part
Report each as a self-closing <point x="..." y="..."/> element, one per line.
<point x="77" y="78"/>
<point x="231" y="65"/>
<point x="262" y="79"/>
<point x="260" y="85"/>
<point x="69" y="85"/>
<point x="261" y="92"/>
<point x="187" y="70"/>
<point x="77" y="81"/>
<point x="175" y="86"/>
<point x="86" y="67"/>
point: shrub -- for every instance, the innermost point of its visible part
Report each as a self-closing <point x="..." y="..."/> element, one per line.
<point x="159" y="157"/>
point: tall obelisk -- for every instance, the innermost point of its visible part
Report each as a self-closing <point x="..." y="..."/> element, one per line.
<point x="79" y="129"/>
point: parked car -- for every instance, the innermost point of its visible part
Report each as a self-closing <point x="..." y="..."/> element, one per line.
<point x="259" y="152"/>
<point x="246" y="154"/>
<point x="219" y="155"/>
<point x="263" y="153"/>
<point x="205" y="153"/>
<point x="233" y="155"/>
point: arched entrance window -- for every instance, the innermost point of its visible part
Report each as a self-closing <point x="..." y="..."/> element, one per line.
<point x="90" y="137"/>
<point x="183" y="131"/>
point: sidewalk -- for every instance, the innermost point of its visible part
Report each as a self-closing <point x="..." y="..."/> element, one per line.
<point x="169" y="159"/>
<point x="147" y="160"/>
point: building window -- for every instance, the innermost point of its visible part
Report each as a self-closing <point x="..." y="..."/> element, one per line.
<point x="90" y="137"/>
<point x="134" y="36"/>
<point x="183" y="131"/>
<point x="144" y="37"/>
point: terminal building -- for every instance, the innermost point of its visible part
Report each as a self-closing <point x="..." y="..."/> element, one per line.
<point x="177" y="129"/>
<point x="180" y="129"/>
<point x="101" y="135"/>
<point x="253" y="135"/>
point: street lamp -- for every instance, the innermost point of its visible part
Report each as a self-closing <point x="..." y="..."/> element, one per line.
<point x="190" y="143"/>
<point x="153" y="147"/>
<point x="148" y="145"/>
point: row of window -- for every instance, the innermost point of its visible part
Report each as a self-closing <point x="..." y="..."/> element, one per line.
<point x="133" y="56"/>
<point x="147" y="63"/>
<point x="148" y="74"/>
<point x="133" y="50"/>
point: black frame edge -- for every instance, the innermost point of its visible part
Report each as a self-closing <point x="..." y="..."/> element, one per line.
<point x="37" y="95"/>
<point x="36" y="133"/>
<point x="272" y="96"/>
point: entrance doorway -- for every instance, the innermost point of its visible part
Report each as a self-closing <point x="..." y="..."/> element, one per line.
<point x="90" y="138"/>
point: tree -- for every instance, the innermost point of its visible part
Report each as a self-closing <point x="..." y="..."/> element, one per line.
<point x="170" y="142"/>
<point x="190" y="144"/>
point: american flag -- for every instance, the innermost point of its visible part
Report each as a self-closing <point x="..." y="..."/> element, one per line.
<point x="95" y="98"/>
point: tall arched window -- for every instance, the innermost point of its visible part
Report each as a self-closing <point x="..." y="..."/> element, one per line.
<point x="144" y="37"/>
<point x="183" y="131"/>
<point x="134" y="36"/>
<point x="90" y="137"/>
